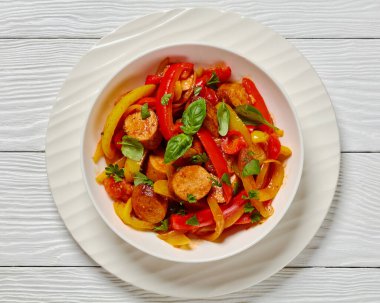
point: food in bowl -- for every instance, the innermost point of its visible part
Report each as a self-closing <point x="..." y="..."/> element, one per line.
<point x="191" y="154"/>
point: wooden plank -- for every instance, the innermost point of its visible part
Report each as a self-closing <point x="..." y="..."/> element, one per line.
<point x="95" y="285"/>
<point x="32" y="233"/>
<point x="32" y="72"/>
<point x="338" y="18"/>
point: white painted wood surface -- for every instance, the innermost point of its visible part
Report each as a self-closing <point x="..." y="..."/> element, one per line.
<point x="40" y="42"/>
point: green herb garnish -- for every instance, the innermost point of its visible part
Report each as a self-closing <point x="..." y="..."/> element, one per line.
<point x="197" y="90"/>
<point x="165" y="99"/>
<point x="215" y="182"/>
<point x="145" y="111"/>
<point x="248" y="208"/>
<point x="115" y="171"/>
<point x="191" y="198"/>
<point x="226" y="179"/>
<point x="255" y="218"/>
<point x="199" y="158"/>
<point x="177" y="146"/>
<point x="132" y="148"/>
<point x="193" y="221"/>
<point x="164" y="226"/>
<point x="251" y="114"/>
<point x="140" y="178"/>
<point x="214" y="79"/>
<point x="251" y="168"/>
<point x="252" y="194"/>
<point x="235" y="188"/>
<point x="193" y="116"/>
<point x="223" y="115"/>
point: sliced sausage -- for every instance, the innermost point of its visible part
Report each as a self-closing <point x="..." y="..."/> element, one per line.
<point x="156" y="168"/>
<point x="118" y="191"/>
<point x="191" y="180"/>
<point x="146" y="131"/>
<point x="216" y="192"/>
<point x="211" y="120"/>
<point x="233" y="94"/>
<point x="147" y="205"/>
<point x="195" y="149"/>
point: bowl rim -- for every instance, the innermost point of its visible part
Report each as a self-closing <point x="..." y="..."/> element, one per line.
<point x="96" y="99"/>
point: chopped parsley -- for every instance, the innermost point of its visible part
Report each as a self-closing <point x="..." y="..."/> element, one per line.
<point x="214" y="79"/>
<point x="191" y="198"/>
<point x="165" y="99"/>
<point x="199" y="158"/>
<point x="248" y="208"/>
<point x="164" y="226"/>
<point x="197" y="90"/>
<point x="252" y="194"/>
<point x="145" y="111"/>
<point x="115" y="171"/>
<point x="255" y="218"/>
<point x="226" y="179"/>
<point x="193" y="221"/>
<point x="215" y="182"/>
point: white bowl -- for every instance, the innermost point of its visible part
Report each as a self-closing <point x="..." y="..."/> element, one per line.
<point x="132" y="75"/>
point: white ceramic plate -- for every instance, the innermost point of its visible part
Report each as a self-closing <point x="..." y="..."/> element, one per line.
<point x="260" y="45"/>
<point x="133" y="75"/>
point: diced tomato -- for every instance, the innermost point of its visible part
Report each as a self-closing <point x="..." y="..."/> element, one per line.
<point x="209" y="94"/>
<point x="274" y="146"/>
<point x="118" y="191"/>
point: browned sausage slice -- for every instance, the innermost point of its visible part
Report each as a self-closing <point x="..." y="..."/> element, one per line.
<point x="146" y="131"/>
<point x="211" y="119"/>
<point x="147" y="205"/>
<point x="233" y="94"/>
<point x="156" y="168"/>
<point x="191" y="180"/>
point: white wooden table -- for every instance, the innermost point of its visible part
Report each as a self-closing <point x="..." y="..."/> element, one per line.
<point x="40" y="42"/>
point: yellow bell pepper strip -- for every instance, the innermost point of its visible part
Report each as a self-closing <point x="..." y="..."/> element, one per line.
<point x="259" y="137"/>
<point x="218" y="218"/>
<point x="161" y="187"/>
<point x="98" y="154"/>
<point x="131" y="167"/>
<point x="100" y="178"/>
<point x="274" y="185"/>
<point x="124" y="210"/>
<point x="262" y="175"/>
<point x="237" y="124"/>
<point x="265" y="210"/>
<point x="116" y="114"/>
<point x="231" y="220"/>
<point x="175" y="238"/>
<point x="285" y="152"/>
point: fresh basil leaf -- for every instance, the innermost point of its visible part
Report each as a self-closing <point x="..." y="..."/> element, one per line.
<point x="193" y="221"/>
<point x="132" y="148"/>
<point x="251" y="168"/>
<point x="248" y="208"/>
<point x="252" y="194"/>
<point x="199" y="158"/>
<point x="223" y="115"/>
<point x="255" y="218"/>
<point x="193" y="116"/>
<point x="115" y="171"/>
<point x="164" y="226"/>
<point x="140" y="178"/>
<point x="191" y="198"/>
<point x="249" y="113"/>
<point x="214" y="79"/>
<point x="226" y="179"/>
<point x="177" y="146"/>
<point x="165" y="99"/>
<point x="145" y="111"/>
<point x="215" y="182"/>
<point x="197" y="90"/>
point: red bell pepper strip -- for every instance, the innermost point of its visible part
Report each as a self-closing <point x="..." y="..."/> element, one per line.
<point x="205" y="217"/>
<point x="153" y="79"/>
<point x="209" y="94"/>
<point x="117" y="138"/>
<point x="150" y="100"/>
<point x="251" y="89"/>
<point x="217" y="159"/>
<point x="165" y="112"/>
<point x="233" y="142"/>
<point x="251" y="128"/>
<point x="274" y="146"/>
